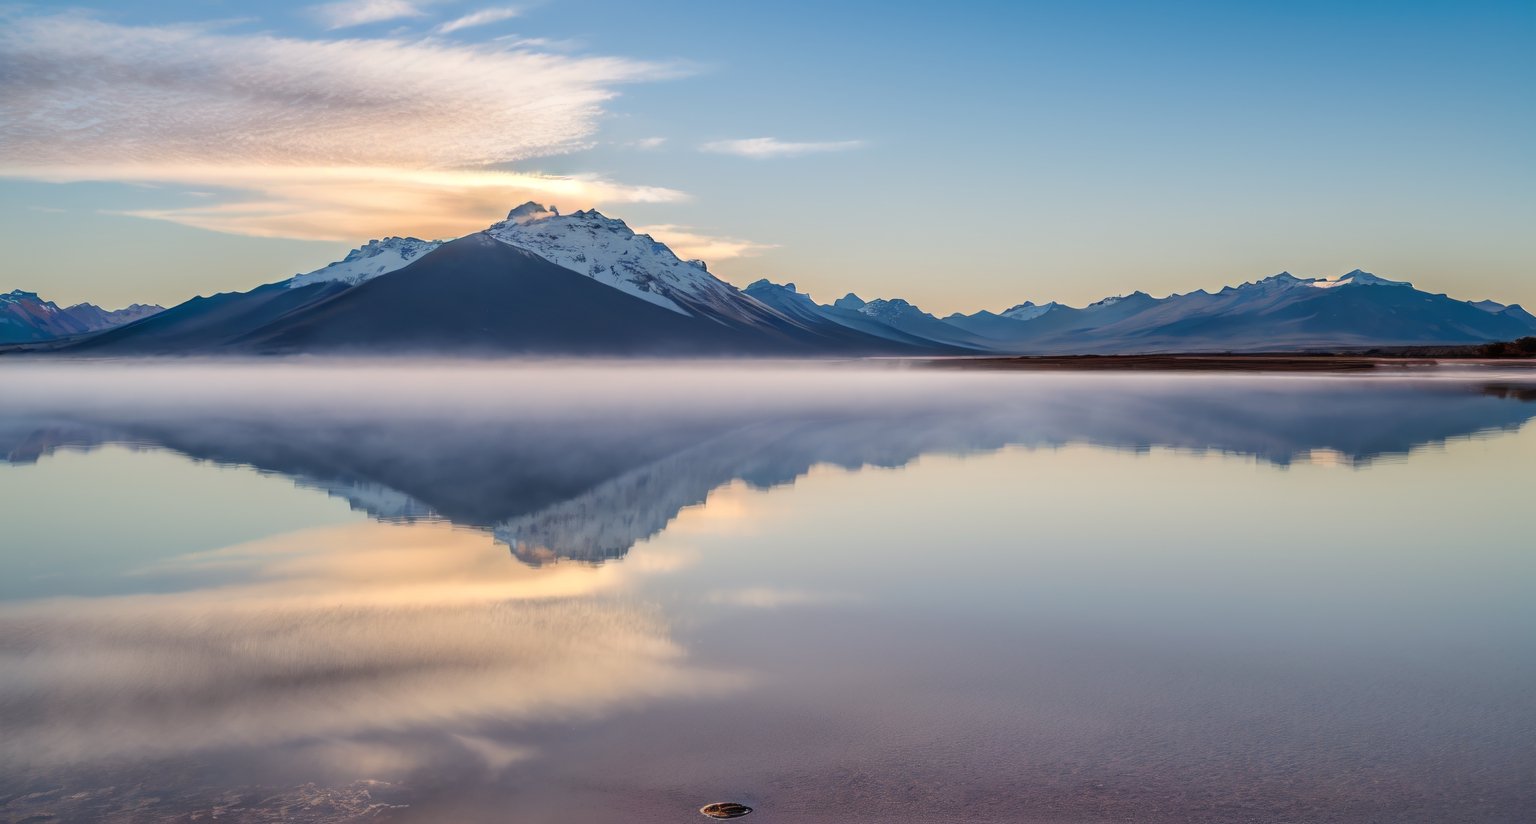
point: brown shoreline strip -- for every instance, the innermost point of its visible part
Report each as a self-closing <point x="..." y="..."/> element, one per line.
<point x="1173" y="363"/>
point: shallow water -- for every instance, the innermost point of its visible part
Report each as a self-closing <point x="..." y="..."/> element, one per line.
<point x="616" y="592"/>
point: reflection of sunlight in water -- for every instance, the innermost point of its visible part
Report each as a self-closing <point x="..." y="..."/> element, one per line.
<point x="1326" y="457"/>
<point x="331" y="635"/>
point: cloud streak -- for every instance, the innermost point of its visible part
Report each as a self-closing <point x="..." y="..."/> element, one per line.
<point x="361" y="12"/>
<point x="394" y="129"/>
<point x="763" y="148"/>
<point x="484" y="17"/>
<point x="690" y="244"/>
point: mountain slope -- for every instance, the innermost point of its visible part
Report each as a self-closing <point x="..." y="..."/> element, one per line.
<point x="206" y="324"/>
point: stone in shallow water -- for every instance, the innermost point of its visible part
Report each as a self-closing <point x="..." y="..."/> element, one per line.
<point x="725" y="809"/>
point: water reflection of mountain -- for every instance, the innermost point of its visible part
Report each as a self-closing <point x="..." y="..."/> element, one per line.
<point x="589" y="481"/>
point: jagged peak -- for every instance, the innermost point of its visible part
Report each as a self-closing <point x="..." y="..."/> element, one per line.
<point x="1356" y="277"/>
<point x="764" y="283"/>
<point x="1028" y="310"/>
<point x="381" y="245"/>
<point x="531" y="211"/>
<point x="374" y="258"/>
<point x="1111" y="301"/>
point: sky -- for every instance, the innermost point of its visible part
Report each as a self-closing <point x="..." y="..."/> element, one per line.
<point x="962" y="155"/>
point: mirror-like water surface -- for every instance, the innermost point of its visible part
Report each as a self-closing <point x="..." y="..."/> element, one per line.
<point x="557" y="592"/>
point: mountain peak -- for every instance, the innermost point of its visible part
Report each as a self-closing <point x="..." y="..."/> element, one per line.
<point x="849" y="301"/>
<point x="1111" y="301"/>
<point x="531" y="211"/>
<point x="1356" y="277"/>
<point x="366" y="262"/>
<point x="1028" y="310"/>
<point x="606" y="249"/>
<point x="764" y="283"/>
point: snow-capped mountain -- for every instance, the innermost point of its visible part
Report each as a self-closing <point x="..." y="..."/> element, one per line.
<point x="537" y="282"/>
<point x="586" y="242"/>
<point x="25" y="317"/>
<point x="374" y="258"/>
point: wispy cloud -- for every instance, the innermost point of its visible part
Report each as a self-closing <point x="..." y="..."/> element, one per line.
<point x="345" y="203"/>
<point x="518" y="41"/>
<point x="349" y="13"/>
<point x="483" y="17"/>
<point x="761" y="148"/>
<point x="774" y="598"/>
<point x="647" y="143"/>
<point x="344" y="137"/>
<point x="690" y="244"/>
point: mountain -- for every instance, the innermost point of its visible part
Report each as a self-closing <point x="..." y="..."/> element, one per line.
<point x="479" y="295"/>
<point x="1281" y="312"/>
<point x="25" y="317"/>
<point x="538" y="282"/>
<point x="789" y="301"/>
<point x="904" y="317"/>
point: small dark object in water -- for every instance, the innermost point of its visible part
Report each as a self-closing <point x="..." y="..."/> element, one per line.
<point x="725" y="809"/>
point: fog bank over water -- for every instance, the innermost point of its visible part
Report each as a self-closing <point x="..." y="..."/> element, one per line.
<point x="566" y="386"/>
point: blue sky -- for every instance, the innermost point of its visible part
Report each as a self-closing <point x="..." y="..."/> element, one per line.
<point x="965" y="155"/>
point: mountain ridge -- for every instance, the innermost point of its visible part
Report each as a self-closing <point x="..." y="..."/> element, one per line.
<point x="27" y="317"/>
<point x="711" y="316"/>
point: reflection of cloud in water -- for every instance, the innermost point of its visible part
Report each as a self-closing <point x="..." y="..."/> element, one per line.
<point x="331" y="636"/>
<point x="584" y="461"/>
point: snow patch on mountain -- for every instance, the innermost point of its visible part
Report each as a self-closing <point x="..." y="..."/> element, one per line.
<point x="607" y="250"/>
<point x="1028" y="310"/>
<point x="366" y="262"/>
<point x="1118" y="299"/>
<point x="1355" y="278"/>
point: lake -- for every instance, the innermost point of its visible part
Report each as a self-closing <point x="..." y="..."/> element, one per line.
<point x="558" y="592"/>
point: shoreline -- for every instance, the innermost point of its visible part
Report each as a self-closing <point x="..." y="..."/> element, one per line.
<point x="1211" y="363"/>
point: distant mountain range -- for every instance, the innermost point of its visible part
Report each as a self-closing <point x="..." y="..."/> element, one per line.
<point x="1280" y="313"/>
<point x="25" y="317"/>
<point x="541" y="282"/>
